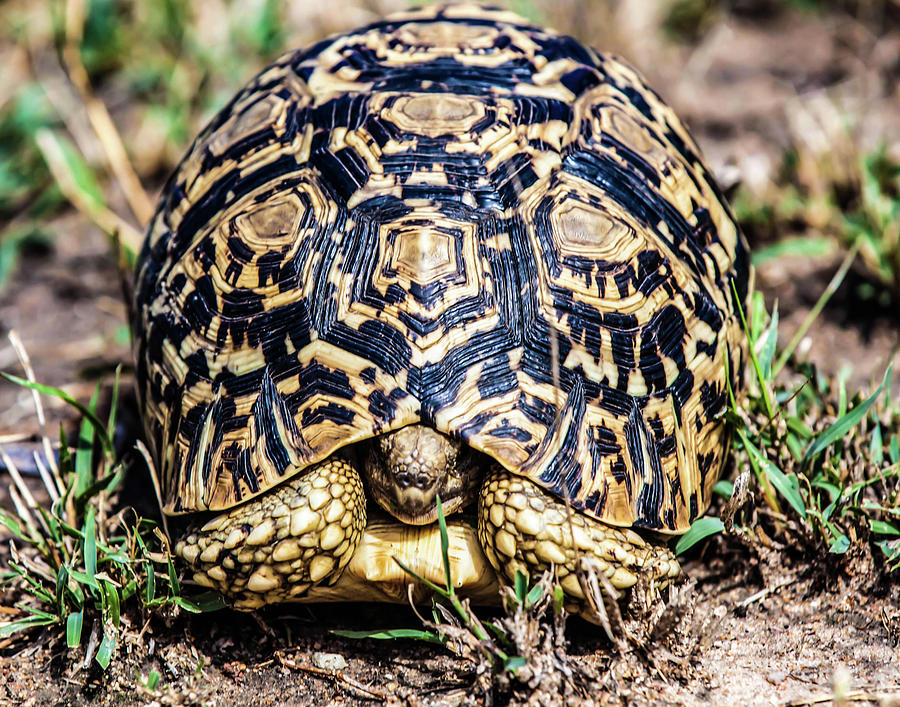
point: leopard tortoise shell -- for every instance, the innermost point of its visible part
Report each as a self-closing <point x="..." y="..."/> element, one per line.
<point x="448" y="255"/>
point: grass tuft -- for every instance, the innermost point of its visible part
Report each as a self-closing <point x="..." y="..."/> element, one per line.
<point x="825" y="463"/>
<point x="79" y="569"/>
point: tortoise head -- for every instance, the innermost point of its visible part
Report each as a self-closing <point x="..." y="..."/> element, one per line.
<point x="406" y="469"/>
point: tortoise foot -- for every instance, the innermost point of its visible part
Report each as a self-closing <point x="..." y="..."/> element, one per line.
<point x="523" y="528"/>
<point x="275" y="547"/>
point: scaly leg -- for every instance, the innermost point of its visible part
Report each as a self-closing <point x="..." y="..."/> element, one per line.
<point x="522" y="527"/>
<point x="276" y="546"/>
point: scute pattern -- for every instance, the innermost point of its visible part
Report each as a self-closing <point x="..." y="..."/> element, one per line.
<point x="417" y="222"/>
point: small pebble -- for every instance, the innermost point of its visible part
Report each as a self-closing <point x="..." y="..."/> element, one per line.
<point x="329" y="661"/>
<point x="776" y="677"/>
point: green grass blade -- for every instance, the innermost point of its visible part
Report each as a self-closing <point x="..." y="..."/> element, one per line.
<point x="521" y="586"/>
<point x="445" y="546"/>
<point x="73" y="628"/>
<point x="26" y="624"/>
<point x="810" y="247"/>
<point x="107" y="646"/>
<point x="415" y="575"/>
<point x="840" y="545"/>
<point x="724" y="488"/>
<point x="63" y="395"/>
<point x="700" y="528"/>
<point x="533" y="595"/>
<point x="393" y="634"/>
<point x="890" y="548"/>
<point x="751" y="349"/>
<point x="54" y="528"/>
<point x="880" y="527"/>
<point x="9" y="522"/>
<point x="757" y="315"/>
<point x="108" y="483"/>
<point x="90" y="549"/>
<point x="843" y="425"/>
<point x="34" y="586"/>
<point x="70" y="169"/>
<point x="84" y="466"/>
<point x="787" y="486"/>
<point x="799" y="428"/>
<point x="114" y="403"/>
<point x="173" y="577"/>
<point x="111" y="602"/>
<point x="201" y="603"/>
<point x="513" y="663"/>
<point x="153" y="680"/>
<point x="767" y="354"/>
<point x="150" y="594"/>
<point x="40" y="613"/>
<point x="876" y="446"/>
<point x="62" y="585"/>
<point x="842" y="390"/>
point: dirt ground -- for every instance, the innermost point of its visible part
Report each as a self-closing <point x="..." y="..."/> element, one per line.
<point x="759" y="631"/>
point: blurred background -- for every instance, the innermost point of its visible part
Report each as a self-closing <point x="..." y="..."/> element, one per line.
<point x="795" y="103"/>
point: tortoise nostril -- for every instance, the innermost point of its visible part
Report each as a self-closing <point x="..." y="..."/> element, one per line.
<point x="407" y="479"/>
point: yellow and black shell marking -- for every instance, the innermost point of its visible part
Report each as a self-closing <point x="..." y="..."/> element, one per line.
<point x="418" y="222"/>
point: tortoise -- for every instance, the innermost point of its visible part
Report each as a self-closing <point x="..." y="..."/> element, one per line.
<point x="449" y="255"/>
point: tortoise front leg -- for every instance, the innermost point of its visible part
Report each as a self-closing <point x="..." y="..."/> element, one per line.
<point x="275" y="547"/>
<point x="522" y="527"/>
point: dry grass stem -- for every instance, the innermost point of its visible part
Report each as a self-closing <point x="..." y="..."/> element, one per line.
<point x="24" y="359"/>
<point x="154" y="477"/>
<point x="22" y="510"/>
<point x="814" y="313"/>
<point x="103" y="125"/>
<point x="602" y="598"/>
<point x="106" y="219"/>
<point x="46" y="478"/>
<point x="23" y="492"/>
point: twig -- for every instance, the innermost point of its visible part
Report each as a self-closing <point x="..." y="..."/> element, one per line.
<point x="92" y="645"/>
<point x="365" y="691"/>
<point x="40" y="568"/>
<point x="881" y="696"/>
<point x="410" y="588"/>
<point x="762" y="594"/>
<point x="109" y="137"/>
